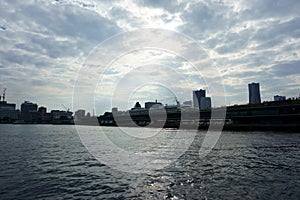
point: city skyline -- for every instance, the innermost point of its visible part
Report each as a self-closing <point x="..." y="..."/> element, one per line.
<point x="44" y="46"/>
<point x="195" y="102"/>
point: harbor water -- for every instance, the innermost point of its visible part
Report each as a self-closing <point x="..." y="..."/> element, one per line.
<point x="51" y="162"/>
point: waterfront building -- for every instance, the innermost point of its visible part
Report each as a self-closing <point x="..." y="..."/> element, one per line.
<point x="44" y="116"/>
<point x="7" y="106"/>
<point x="62" y="117"/>
<point x="29" y="112"/>
<point x="254" y="93"/>
<point x="279" y="98"/>
<point x="197" y="94"/>
<point x="79" y="114"/>
<point x="8" y="112"/>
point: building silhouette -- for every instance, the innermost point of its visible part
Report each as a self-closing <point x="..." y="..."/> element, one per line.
<point x="62" y="117"/>
<point x="254" y="93"/>
<point x="8" y="112"/>
<point x="205" y="103"/>
<point x="200" y="100"/>
<point x="137" y="105"/>
<point x="42" y="110"/>
<point x="29" y="111"/>
<point x="44" y="117"/>
<point x="197" y="94"/>
<point x="79" y="114"/>
<point x="279" y="98"/>
<point x="154" y="104"/>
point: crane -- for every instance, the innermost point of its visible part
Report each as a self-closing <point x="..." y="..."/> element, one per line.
<point x="3" y="95"/>
<point x="176" y="100"/>
<point x="67" y="109"/>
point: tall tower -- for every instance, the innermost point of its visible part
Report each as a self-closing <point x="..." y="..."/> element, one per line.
<point x="254" y="93"/>
<point x="197" y="94"/>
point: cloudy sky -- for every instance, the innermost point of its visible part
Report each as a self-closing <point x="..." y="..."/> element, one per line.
<point x="45" y="45"/>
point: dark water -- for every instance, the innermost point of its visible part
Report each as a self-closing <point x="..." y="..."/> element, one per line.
<point x="50" y="162"/>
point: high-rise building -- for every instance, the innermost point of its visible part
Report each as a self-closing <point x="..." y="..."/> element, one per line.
<point x="197" y="94"/>
<point x="254" y="93"/>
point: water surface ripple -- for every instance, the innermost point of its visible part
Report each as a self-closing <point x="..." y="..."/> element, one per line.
<point x="50" y="162"/>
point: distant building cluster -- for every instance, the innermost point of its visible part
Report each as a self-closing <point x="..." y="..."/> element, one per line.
<point x="80" y="115"/>
<point x="30" y="113"/>
<point x="148" y="105"/>
<point x="80" y="118"/>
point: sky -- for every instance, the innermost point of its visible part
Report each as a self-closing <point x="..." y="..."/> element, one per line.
<point x="48" y="50"/>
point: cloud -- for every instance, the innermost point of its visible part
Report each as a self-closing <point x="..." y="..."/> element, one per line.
<point x="2" y="28"/>
<point x="43" y="44"/>
<point x="291" y="68"/>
